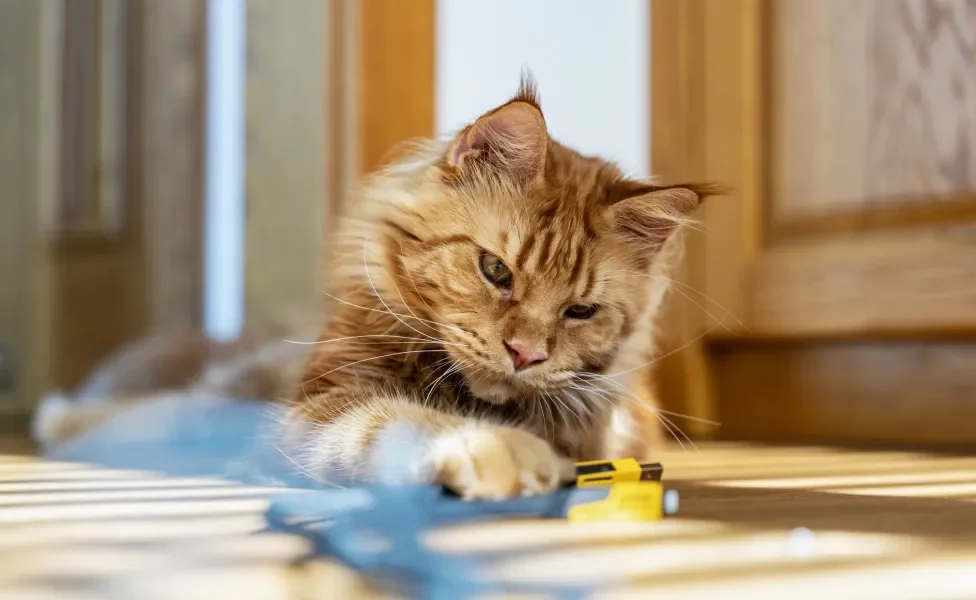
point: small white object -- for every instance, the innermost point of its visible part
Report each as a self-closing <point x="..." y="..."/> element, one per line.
<point x="52" y="418"/>
<point x="670" y="501"/>
<point x="801" y="542"/>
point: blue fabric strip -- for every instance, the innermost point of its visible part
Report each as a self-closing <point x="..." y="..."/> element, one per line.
<point x="374" y="529"/>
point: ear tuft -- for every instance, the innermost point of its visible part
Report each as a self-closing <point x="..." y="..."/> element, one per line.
<point x="528" y="90"/>
<point x="650" y="213"/>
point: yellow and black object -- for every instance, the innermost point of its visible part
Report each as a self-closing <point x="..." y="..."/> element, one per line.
<point x="619" y="490"/>
<point x="629" y="501"/>
<point x="611" y="472"/>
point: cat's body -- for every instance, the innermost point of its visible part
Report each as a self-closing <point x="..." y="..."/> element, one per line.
<point x="256" y="366"/>
<point x="491" y="382"/>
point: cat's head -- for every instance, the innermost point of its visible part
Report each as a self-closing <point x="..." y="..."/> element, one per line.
<point x="535" y="261"/>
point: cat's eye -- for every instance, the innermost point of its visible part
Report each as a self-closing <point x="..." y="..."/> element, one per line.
<point x="495" y="271"/>
<point x="581" y="311"/>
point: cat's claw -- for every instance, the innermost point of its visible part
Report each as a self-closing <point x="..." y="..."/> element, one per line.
<point x="496" y="463"/>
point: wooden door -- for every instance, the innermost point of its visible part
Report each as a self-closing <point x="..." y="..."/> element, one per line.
<point x="848" y="254"/>
<point x="125" y="235"/>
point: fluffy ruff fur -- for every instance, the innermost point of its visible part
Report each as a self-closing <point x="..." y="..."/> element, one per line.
<point x="414" y="377"/>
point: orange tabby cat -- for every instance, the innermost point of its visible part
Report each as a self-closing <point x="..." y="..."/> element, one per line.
<point x="491" y="304"/>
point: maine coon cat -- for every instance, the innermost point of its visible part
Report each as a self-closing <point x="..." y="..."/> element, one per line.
<point x="490" y="306"/>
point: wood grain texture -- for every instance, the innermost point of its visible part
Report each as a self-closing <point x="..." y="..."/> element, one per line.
<point x="287" y="132"/>
<point x="707" y="106"/>
<point x="918" y="212"/>
<point x="93" y="119"/>
<point x="396" y="82"/>
<point x="149" y="277"/>
<point x="79" y="118"/>
<point x="29" y="108"/>
<point x="707" y="124"/>
<point x="345" y="108"/>
<point x="99" y="304"/>
<point x="874" y="104"/>
<point x="112" y="118"/>
<point x="908" y="392"/>
<point x="913" y="281"/>
<point x="336" y="109"/>
<point x="676" y="138"/>
<point x="901" y="522"/>
<point x="854" y="221"/>
<point x="170" y="156"/>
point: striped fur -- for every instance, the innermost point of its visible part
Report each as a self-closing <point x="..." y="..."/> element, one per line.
<point x="414" y="333"/>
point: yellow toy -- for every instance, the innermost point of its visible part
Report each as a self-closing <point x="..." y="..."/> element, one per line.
<point x="628" y="501"/>
<point x="611" y="472"/>
<point x="619" y="490"/>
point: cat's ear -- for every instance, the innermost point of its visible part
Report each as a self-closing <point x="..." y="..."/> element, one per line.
<point x="509" y="140"/>
<point x="649" y="214"/>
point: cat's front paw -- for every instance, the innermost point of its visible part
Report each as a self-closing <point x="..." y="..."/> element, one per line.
<point x="495" y="463"/>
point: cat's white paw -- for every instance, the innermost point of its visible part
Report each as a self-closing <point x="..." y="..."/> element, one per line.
<point x="495" y="463"/>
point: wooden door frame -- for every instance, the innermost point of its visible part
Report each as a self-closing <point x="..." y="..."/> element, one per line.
<point x="707" y="107"/>
<point x="115" y="284"/>
<point x="382" y="85"/>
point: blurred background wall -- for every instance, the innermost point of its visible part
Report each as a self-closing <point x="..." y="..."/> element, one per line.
<point x="832" y="296"/>
<point x="105" y="176"/>
<point x="591" y="60"/>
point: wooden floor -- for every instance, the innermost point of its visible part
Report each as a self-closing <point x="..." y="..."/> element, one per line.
<point x="754" y="523"/>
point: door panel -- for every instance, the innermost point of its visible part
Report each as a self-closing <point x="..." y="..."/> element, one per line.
<point x="854" y="392"/>
<point x="909" y="281"/>
<point x="848" y="251"/>
<point x="872" y="105"/>
<point x="872" y="169"/>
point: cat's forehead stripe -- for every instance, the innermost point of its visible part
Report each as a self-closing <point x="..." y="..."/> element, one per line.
<point x="525" y="250"/>
<point x="446" y="240"/>
<point x="590" y="281"/>
<point x="544" y="259"/>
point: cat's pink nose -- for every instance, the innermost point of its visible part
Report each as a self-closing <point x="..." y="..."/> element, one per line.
<point x="523" y="356"/>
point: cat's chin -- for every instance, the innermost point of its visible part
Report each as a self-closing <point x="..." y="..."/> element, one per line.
<point x="500" y="391"/>
<point x="496" y="392"/>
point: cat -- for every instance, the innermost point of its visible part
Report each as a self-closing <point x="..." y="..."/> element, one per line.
<point x="490" y="308"/>
<point x="258" y="365"/>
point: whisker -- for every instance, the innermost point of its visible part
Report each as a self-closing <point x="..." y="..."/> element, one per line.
<point x="547" y="410"/>
<point x="380" y="298"/>
<point x="305" y="471"/>
<point x="662" y="357"/>
<point x="692" y="288"/>
<point x="671" y="423"/>
<point x="372" y="358"/>
<point x="399" y="293"/>
<point x="665" y="421"/>
<point x="384" y="312"/>
<point x="676" y="414"/>
<point x="570" y="409"/>
<point x="552" y="402"/>
<point x="667" y="412"/>
<point x="668" y="426"/>
<point x="434" y="368"/>
<point x="377" y="335"/>
<point x="421" y="296"/>
<point x="455" y="366"/>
